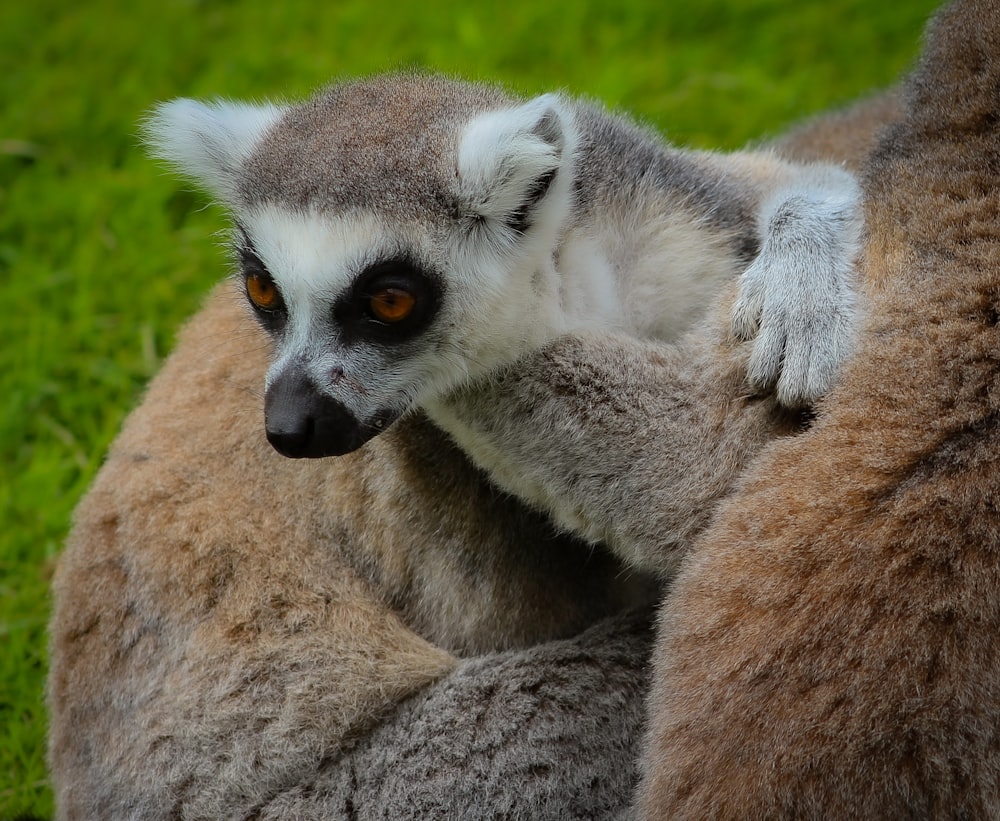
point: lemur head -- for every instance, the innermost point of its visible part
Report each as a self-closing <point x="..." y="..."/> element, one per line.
<point x="394" y="236"/>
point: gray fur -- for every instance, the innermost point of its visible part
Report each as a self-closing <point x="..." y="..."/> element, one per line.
<point x="551" y="732"/>
<point x="386" y="143"/>
<point x="622" y="163"/>
<point x="627" y="443"/>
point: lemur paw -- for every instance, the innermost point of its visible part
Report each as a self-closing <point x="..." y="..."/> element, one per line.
<point x="797" y="300"/>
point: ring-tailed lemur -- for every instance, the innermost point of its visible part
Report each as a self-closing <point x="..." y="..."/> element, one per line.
<point x="403" y="235"/>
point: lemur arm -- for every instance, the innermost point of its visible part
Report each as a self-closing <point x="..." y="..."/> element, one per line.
<point x="627" y="442"/>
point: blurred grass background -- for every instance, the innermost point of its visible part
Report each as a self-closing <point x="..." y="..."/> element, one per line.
<point x="102" y="254"/>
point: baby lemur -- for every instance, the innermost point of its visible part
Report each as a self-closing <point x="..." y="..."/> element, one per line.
<point x="404" y="236"/>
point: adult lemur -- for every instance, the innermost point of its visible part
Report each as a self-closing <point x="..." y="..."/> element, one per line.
<point x="407" y="235"/>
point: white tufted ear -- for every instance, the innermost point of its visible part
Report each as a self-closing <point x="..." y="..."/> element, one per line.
<point x="508" y="159"/>
<point x="208" y="141"/>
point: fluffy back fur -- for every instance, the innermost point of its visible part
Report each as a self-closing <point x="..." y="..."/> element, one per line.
<point x="838" y="656"/>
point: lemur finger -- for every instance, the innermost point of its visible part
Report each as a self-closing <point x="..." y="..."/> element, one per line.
<point x="745" y="321"/>
<point x="766" y="357"/>
<point x="799" y="371"/>
<point x="748" y="309"/>
<point x="818" y="366"/>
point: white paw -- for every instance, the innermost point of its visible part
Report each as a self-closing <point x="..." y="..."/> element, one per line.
<point x="797" y="300"/>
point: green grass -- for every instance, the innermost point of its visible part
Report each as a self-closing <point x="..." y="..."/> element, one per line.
<point x="102" y="254"/>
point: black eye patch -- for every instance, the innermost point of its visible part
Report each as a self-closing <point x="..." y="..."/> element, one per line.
<point x="261" y="291"/>
<point x="389" y="302"/>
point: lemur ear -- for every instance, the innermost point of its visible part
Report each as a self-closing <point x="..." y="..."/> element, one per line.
<point x="508" y="160"/>
<point x="208" y="141"/>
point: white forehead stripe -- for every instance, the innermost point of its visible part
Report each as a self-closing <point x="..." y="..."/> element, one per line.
<point x="315" y="256"/>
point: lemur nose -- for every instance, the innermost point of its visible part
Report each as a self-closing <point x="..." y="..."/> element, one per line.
<point x="294" y="441"/>
<point x="301" y="422"/>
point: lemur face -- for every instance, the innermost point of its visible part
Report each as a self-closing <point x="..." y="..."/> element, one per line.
<point x="358" y="315"/>
<point x="386" y="236"/>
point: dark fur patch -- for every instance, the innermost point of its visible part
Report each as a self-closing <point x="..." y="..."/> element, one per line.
<point x="519" y="221"/>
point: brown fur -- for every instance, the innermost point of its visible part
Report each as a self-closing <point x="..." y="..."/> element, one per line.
<point x="831" y="648"/>
<point x="847" y="136"/>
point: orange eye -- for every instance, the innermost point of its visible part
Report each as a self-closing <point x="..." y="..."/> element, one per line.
<point x="392" y="305"/>
<point x="263" y="292"/>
